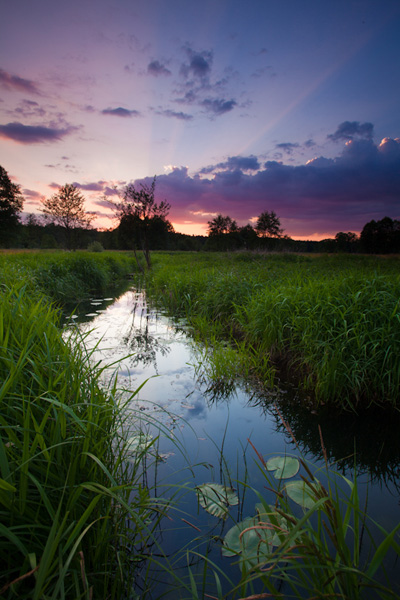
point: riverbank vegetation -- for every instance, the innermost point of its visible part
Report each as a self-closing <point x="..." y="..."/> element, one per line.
<point x="74" y="517"/>
<point x="77" y="517"/>
<point x="331" y="324"/>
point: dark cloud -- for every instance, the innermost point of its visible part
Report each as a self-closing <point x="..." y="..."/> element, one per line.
<point x="33" y="134"/>
<point x="120" y="112"/>
<point x="348" y="130"/>
<point x="287" y="147"/>
<point x="174" y="115"/>
<point x="199" y="65"/>
<point x="156" y="68"/>
<point x="234" y="163"/>
<point x="361" y="184"/>
<point x="13" y="82"/>
<point x="218" y="106"/>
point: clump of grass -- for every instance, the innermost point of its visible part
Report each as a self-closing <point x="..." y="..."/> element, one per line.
<point x="75" y="519"/>
<point x="70" y="277"/>
<point x="334" y="322"/>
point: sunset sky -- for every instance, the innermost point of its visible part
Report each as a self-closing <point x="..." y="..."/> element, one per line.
<point x="237" y="106"/>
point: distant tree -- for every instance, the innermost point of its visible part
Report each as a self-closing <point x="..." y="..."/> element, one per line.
<point x="346" y="242"/>
<point x="269" y="225"/>
<point x="11" y="204"/>
<point x="381" y="237"/>
<point x="221" y="225"/>
<point x="65" y="208"/>
<point x="141" y="218"/>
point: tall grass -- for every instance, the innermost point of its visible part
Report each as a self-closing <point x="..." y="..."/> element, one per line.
<point x="333" y="322"/>
<point x="75" y="519"/>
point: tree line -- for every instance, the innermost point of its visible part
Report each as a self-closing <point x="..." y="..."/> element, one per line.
<point x="143" y="226"/>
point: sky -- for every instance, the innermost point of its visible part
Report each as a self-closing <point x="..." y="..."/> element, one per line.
<point x="236" y="106"/>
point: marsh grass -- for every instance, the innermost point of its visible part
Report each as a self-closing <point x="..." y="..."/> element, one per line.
<point x="333" y="322"/>
<point x="77" y="517"/>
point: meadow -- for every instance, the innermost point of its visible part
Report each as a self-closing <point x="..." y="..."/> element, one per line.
<point x="77" y="520"/>
<point x="329" y="323"/>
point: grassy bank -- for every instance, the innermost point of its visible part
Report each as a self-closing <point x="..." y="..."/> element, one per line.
<point x="74" y="519"/>
<point x="330" y="323"/>
<point x="70" y="277"/>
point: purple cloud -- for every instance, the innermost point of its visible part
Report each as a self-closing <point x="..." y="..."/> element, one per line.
<point x="218" y="106"/>
<point x="174" y="115"/>
<point x="199" y="65"/>
<point x="120" y="112"/>
<point x="287" y="147"/>
<point x="156" y="68"/>
<point x="13" y="82"/>
<point x="33" y="134"/>
<point x="233" y="163"/>
<point x="348" y="130"/>
<point x="361" y="184"/>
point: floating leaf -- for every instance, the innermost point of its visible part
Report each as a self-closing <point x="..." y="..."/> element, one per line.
<point x="139" y="442"/>
<point x="301" y="493"/>
<point x="216" y="498"/>
<point x="254" y="537"/>
<point x="284" y="466"/>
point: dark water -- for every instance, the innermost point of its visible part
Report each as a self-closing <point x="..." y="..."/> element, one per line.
<point x="205" y="431"/>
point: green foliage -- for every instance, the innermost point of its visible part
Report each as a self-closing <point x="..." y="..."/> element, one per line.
<point x="216" y="498"/>
<point x="332" y="321"/>
<point x="70" y="526"/>
<point x="72" y="277"/>
<point x="11" y="204"/>
<point x="95" y="247"/>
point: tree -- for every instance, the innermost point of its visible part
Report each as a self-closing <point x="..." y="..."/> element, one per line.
<point x="11" y="204"/>
<point x="381" y="237"/>
<point x="141" y="218"/>
<point x="65" y="208"/>
<point x="220" y="225"/>
<point x="346" y="242"/>
<point x="268" y="225"/>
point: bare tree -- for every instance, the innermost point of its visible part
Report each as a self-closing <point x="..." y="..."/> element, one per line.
<point x="65" y="208"/>
<point x="139" y="214"/>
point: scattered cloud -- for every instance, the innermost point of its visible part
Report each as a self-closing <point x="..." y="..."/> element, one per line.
<point x="120" y="112"/>
<point x="198" y="64"/>
<point x="287" y="147"/>
<point x="15" y="83"/>
<point x="172" y="114"/>
<point x="33" y="134"/>
<point x="233" y="163"/>
<point x="348" y="130"/>
<point x="156" y="68"/>
<point x="218" y="106"/>
<point x="31" y="194"/>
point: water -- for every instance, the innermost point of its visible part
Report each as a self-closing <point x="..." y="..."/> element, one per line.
<point x="205" y="431"/>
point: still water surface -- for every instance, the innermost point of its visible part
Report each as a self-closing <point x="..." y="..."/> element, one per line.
<point x="197" y="423"/>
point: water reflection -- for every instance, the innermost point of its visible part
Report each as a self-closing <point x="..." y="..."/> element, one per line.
<point x="205" y="424"/>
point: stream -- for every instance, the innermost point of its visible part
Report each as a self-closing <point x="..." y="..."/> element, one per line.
<point x="204" y="429"/>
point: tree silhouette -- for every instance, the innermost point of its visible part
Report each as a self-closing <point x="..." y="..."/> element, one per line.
<point x="381" y="237"/>
<point x="65" y="208"/>
<point x="220" y="225"/>
<point x="141" y="218"/>
<point x="268" y="225"/>
<point x="11" y="204"/>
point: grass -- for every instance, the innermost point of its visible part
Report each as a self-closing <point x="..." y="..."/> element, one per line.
<point x="76" y="520"/>
<point x="331" y="322"/>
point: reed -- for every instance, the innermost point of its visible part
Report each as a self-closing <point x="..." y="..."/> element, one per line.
<point x="76" y="519"/>
<point x="334" y="322"/>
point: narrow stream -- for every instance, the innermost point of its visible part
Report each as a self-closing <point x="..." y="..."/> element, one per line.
<point x="205" y="432"/>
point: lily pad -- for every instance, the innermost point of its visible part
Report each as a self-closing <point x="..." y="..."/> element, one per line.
<point x="284" y="466"/>
<point x="139" y="442"/>
<point x="215" y="498"/>
<point x="278" y="523"/>
<point x="301" y="493"/>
